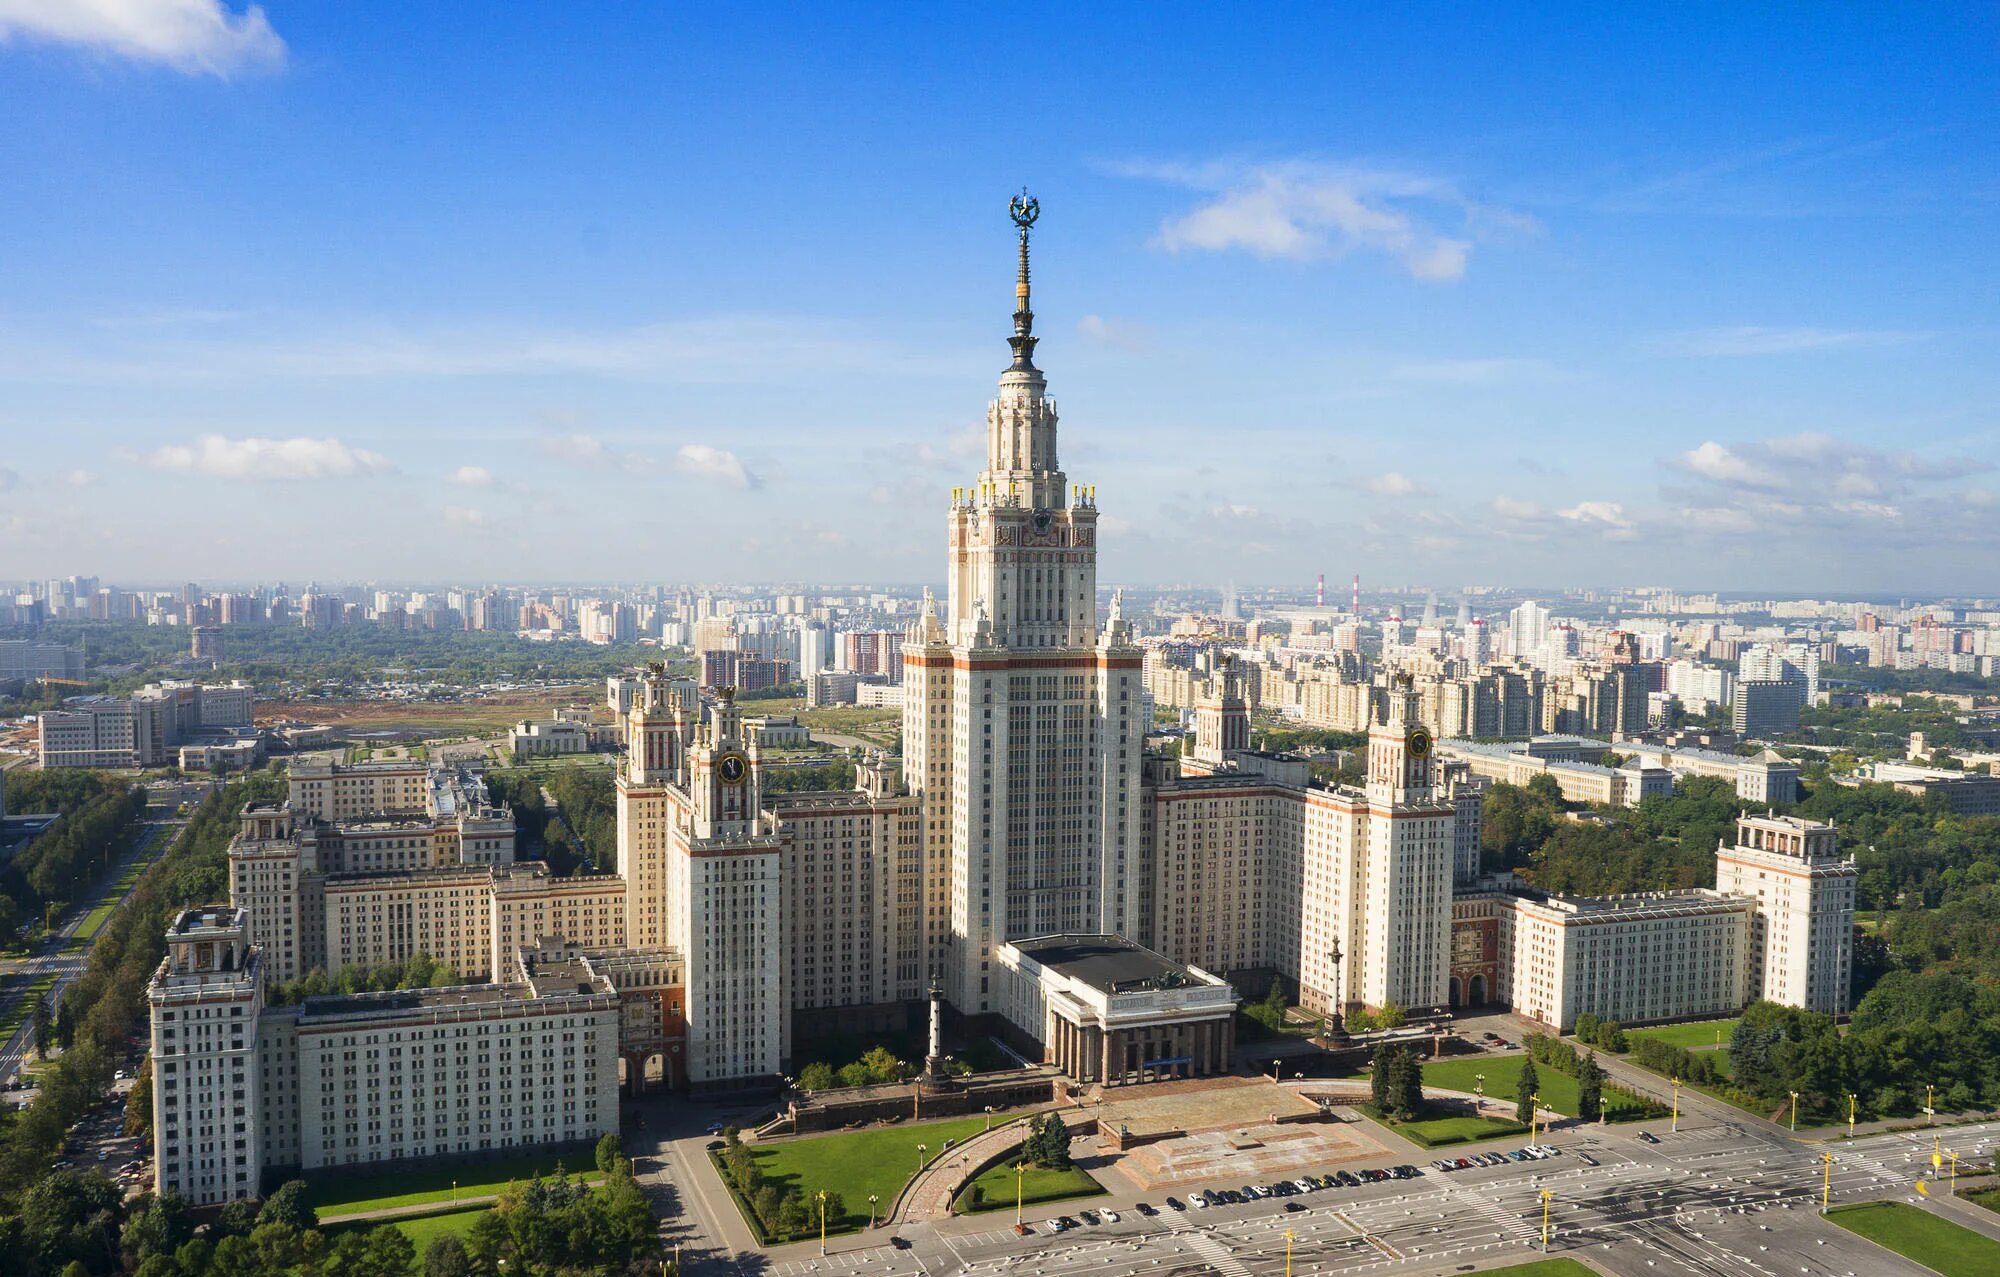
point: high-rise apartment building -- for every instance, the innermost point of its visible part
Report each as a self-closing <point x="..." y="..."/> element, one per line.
<point x="1802" y="937"/>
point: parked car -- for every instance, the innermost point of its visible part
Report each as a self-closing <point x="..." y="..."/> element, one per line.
<point x="1174" y="1203"/>
<point x="1649" y="1137"/>
<point x="1293" y="1208"/>
<point x="1111" y="1217"/>
<point x="1199" y="1199"/>
<point x="1056" y="1225"/>
<point x="1089" y="1217"/>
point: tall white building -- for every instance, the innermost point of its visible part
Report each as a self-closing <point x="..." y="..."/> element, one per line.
<point x="1021" y="719"/>
<point x="205" y="1000"/>
<point x="1802" y="936"/>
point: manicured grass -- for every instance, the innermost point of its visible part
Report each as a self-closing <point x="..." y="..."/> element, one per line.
<point x="421" y="1229"/>
<point x="23" y="1005"/>
<point x="1557" y="1090"/>
<point x="1922" y="1237"/>
<point x="1534" y="1268"/>
<point x="346" y="1196"/>
<point x="1691" y="1037"/>
<point x="856" y="1163"/>
<point x="1037" y="1185"/>
<point x="1431" y="1132"/>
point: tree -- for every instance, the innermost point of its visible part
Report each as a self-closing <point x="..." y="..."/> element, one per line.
<point x="446" y="1257"/>
<point x="1590" y="1089"/>
<point x="1379" y="1081"/>
<point x="1525" y="1090"/>
<point x="608" y="1153"/>
<point x="236" y="1220"/>
<point x="139" y="1102"/>
<point x="817" y="1076"/>
<point x="1545" y="787"/>
<point x="1611" y="1037"/>
<point x="1391" y="1016"/>
<point x="1586" y="1026"/>
<point x="44" y="1027"/>
<point x="289" y="1206"/>
<point x="157" y="1226"/>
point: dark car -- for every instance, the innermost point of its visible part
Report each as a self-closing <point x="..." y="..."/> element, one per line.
<point x="1174" y="1203"/>
<point x="1347" y="1179"/>
<point x="1293" y="1208"/>
<point x="1089" y="1217"/>
<point x="1649" y="1137"/>
<point x="1145" y="1208"/>
<point x="900" y="1243"/>
<point x="1067" y="1221"/>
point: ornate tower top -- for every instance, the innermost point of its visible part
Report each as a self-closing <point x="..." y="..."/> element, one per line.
<point x="1024" y="209"/>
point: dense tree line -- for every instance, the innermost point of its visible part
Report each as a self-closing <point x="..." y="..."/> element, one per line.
<point x="97" y="816"/>
<point x="1668" y="841"/>
<point x="420" y="971"/>
<point x="588" y="800"/>
<point x="834" y="773"/>
<point x="100" y="1007"/>
<point x="76" y="1224"/>
<point x="357" y="654"/>
<point x="1396" y="1082"/>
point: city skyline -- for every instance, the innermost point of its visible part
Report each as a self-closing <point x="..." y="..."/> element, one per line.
<point x="1308" y="319"/>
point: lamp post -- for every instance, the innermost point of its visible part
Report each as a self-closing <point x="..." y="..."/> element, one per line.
<point x="1288" y="1252"/>
<point x="821" y="1195"/>
<point x="1534" y="1112"/>
<point x="1275" y="1075"/>
<point x="921" y="1150"/>
<point x="1930" y="1105"/>
<point x="1479" y="1092"/>
<point x="1020" y="1169"/>
<point x="1676" y="1083"/>
<point x="1547" y="1197"/>
<point x="1826" y="1181"/>
<point x="1850" y="1115"/>
<point x="1795" y="1109"/>
<point x="872" y="1199"/>
<point x="989" y="1117"/>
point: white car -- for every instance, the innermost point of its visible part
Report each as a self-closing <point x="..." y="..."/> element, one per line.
<point x="1199" y="1199"/>
<point x="1110" y="1216"/>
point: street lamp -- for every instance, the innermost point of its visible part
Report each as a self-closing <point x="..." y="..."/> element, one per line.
<point x="1479" y="1092"/>
<point x="1547" y="1197"/>
<point x="1677" y="1104"/>
<point x="1850" y="1115"/>
<point x="1020" y="1169"/>
<point x="1534" y="1112"/>
<point x="1288" y="1252"/>
<point x="1795" y="1110"/>
<point x="989" y="1117"/>
<point x="1826" y="1181"/>
<point x="1275" y="1077"/>
<point x="872" y="1199"/>
<point x="921" y="1150"/>
<point x="821" y="1195"/>
<point x="1930" y="1105"/>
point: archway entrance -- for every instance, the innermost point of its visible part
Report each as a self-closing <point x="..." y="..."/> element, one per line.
<point x="1452" y="993"/>
<point x="1478" y="997"/>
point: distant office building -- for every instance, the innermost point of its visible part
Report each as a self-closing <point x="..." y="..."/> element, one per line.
<point x="1765" y="708"/>
<point x="205" y="642"/>
<point x="143" y="729"/>
<point x="1768" y="778"/>
<point x="27" y="659"/>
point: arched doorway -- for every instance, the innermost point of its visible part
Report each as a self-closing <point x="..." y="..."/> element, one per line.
<point x="1451" y="994"/>
<point x="656" y="1071"/>
<point x="1478" y="996"/>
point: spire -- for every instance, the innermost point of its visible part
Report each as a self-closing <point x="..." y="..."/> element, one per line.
<point x="1024" y="209"/>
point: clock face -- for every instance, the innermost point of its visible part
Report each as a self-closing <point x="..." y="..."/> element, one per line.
<point x="731" y="768"/>
<point x="1419" y="742"/>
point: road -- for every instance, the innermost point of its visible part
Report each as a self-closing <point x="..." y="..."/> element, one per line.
<point x="1718" y="1198"/>
<point x="62" y="954"/>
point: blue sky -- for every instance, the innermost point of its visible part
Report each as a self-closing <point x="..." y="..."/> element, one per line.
<point x="1546" y="295"/>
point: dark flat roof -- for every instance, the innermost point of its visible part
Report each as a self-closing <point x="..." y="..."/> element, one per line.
<point x="1105" y="963"/>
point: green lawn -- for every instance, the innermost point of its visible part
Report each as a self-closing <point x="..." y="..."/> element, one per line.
<point x="93" y="922"/>
<point x="1534" y="1268"/>
<point x="996" y="1188"/>
<point x="24" y="1004"/>
<point x="1432" y="1132"/>
<point x="856" y="1163"/>
<point x="348" y="1195"/>
<point x="1690" y="1037"/>
<point x="1919" y="1236"/>
<point x="421" y="1229"/>
<point x="1558" y="1090"/>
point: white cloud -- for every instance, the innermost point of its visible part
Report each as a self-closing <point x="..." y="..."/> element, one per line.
<point x="1303" y="211"/>
<point x="713" y="463"/>
<point x="1745" y="341"/>
<point x="1715" y="461"/>
<point x="251" y="458"/>
<point x="464" y="516"/>
<point x="200" y="37"/>
<point x="471" y="477"/>
<point x="1395" y="484"/>
<point x="578" y="447"/>
<point x="79" y="478"/>
<point x="1606" y="516"/>
<point x="1511" y="508"/>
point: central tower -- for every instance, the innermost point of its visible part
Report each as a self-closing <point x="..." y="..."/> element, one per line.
<point x="1021" y="720"/>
